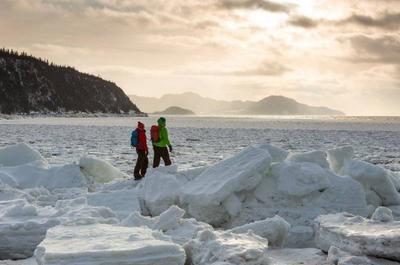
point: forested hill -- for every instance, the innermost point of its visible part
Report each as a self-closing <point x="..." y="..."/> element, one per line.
<point x="29" y="84"/>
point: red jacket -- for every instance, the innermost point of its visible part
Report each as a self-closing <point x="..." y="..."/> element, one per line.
<point x="142" y="139"/>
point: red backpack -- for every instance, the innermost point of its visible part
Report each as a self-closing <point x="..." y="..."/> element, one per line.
<point x="155" y="133"/>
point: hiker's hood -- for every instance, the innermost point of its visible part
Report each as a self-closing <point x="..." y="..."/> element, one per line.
<point x="161" y="121"/>
<point x="140" y="125"/>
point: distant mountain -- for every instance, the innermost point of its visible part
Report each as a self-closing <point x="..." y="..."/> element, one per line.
<point x="192" y="101"/>
<point x="272" y="105"/>
<point x="175" y="111"/>
<point x="29" y="84"/>
<point x="279" y="105"/>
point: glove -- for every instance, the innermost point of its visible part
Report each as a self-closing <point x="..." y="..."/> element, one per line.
<point x="170" y="148"/>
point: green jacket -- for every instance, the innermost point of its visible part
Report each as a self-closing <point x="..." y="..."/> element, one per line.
<point x="164" y="140"/>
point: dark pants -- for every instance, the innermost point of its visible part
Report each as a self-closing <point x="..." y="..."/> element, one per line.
<point x="142" y="163"/>
<point x="161" y="152"/>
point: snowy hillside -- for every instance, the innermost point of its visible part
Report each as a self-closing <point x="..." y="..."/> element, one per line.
<point x="28" y="84"/>
<point x="262" y="206"/>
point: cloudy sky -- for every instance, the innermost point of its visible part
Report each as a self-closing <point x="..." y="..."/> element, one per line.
<point x="344" y="54"/>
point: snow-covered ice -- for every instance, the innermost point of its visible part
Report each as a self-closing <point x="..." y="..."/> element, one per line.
<point x="359" y="236"/>
<point x="39" y="174"/>
<point x="19" y="240"/>
<point x="241" y="172"/>
<point x="18" y="154"/>
<point x="374" y="178"/>
<point x="277" y="154"/>
<point x="202" y="141"/>
<point x="338" y="157"/>
<point x="382" y="214"/>
<point x="206" y="193"/>
<point x="161" y="190"/>
<point x="100" y="170"/>
<point x="315" y="157"/>
<point x="249" y="187"/>
<point x="296" y="256"/>
<point x="30" y="261"/>
<point x="259" y="201"/>
<point x="300" y="179"/>
<point x="106" y="244"/>
<point x="275" y="229"/>
<point x="22" y="227"/>
<point x="317" y="192"/>
<point x="171" y="222"/>
<point x="337" y="256"/>
<point x="121" y="202"/>
<point x="216" y="247"/>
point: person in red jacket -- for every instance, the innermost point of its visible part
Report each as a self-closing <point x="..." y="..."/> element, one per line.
<point x="142" y="161"/>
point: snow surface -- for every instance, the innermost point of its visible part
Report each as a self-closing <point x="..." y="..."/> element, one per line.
<point x="300" y="179"/>
<point x="339" y="157"/>
<point x="170" y="222"/>
<point x="374" y="178"/>
<point x="315" y="157"/>
<point x="259" y="201"/>
<point x="359" y="236"/>
<point x="382" y="214"/>
<point x="38" y="174"/>
<point x="128" y="201"/>
<point x="106" y="244"/>
<point x="337" y="256"/>
<point x="18" y="154"/>
<point x="300" y="205"/>
<point x="30" y="261"/>
<point x="22" y="228"/>
<point x="206" y="194"/>
<point x="275" y="229"/>
<point x="277" y="154"/>
<point x="161" y="190"/>
<point x="296" y="256"/>
<point x="215" y="247"/>
<point x="241" y="172"/>
<point x="99" y="170"/>
<point x="202" y="141"/>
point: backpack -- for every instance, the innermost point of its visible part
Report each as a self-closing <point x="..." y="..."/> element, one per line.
<point x="134" y="138"/>
<point x="155" y="133"/>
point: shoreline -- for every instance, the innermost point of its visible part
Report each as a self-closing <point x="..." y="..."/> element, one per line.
<point x="69" y="115"/>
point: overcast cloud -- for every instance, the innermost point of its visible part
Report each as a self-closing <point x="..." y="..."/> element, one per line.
<point x="343" y="54"/>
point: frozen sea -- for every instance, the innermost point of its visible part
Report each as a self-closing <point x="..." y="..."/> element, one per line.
<point x="200" y="141"/>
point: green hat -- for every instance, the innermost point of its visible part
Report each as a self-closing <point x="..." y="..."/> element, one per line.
<point x="161" y="121"/>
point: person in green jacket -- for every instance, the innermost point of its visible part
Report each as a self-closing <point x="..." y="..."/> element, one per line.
<point x="163" y="145"/>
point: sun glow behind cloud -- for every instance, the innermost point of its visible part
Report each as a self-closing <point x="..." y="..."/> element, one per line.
<point x="263" y="19"/>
